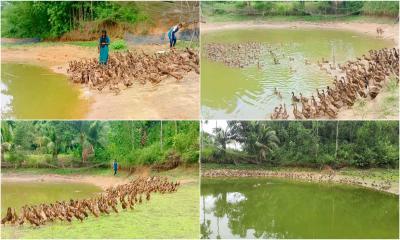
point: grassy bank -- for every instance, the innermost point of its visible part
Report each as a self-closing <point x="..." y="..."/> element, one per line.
<point x="386" y="108"/>
<point x="159" y="218"/>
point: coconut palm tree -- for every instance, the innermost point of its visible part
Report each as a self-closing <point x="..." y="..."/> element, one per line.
<point x="266" y="142"/>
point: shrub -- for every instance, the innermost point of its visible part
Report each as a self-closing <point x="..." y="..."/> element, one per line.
<point x="118" y="45"/>
<point x="149" y="155"/>
<point x="16" y="157"/>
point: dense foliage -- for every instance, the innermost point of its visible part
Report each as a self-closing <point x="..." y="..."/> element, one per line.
<point x="360" y="144"/>
<point x="131" y="143"/>
<point x="52" y="19"/>
<point x="281" y="8"/>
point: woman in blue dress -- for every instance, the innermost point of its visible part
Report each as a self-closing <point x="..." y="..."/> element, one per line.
<point x="104" y="41"/>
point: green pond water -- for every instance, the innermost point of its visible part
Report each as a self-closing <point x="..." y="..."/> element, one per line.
<point x="276" y="208"/>
<point x="247" y="93"/>
<point x="17" y="194"/>
<point x="33" y="92"/>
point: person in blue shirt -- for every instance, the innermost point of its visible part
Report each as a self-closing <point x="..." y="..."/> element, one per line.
<point x="171" y="34"/>
<point x="104" y="41"/>
<point x="115" y="165"/>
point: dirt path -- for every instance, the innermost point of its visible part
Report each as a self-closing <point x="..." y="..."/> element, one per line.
<point x="391" y="31"/>
<point x="170" y="99"/>
<point x="102" y="182"/>
<point x="307" y="176"/>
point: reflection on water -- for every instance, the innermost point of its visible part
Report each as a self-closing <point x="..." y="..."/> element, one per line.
<point x="272" y="208"/>
<point x="248" y="93"/>
<point x="17" y="194"/>
<point x="32" y="92"/>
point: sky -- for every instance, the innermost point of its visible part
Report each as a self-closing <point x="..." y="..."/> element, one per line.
<point x="210" y="125"/>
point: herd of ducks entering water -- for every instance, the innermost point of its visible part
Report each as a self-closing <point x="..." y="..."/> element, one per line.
<point x="123" y="69"/>
<point x="361" y="78"/>
<point x="127" y="195"/>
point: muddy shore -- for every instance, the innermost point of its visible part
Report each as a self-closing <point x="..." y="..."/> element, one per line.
<point x="169" y="99"/>
<point x="323" y="177"/>
<point x="391" y="31"/>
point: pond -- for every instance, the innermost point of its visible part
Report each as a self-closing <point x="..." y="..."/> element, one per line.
<point x="33" y="92"/>
<point x="277" y="208"/>
<point x="17" y="194"/>
<point x="247" y="93"/>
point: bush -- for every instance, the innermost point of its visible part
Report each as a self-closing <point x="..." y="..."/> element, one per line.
<point x="326" y="159"/>
<point x="389" y="156"/>
<point x="17" y="157"/>
<point x="207" y="154"/>
<point x="118" y="45"/>
<point x="34" y="160"/>
<point x="149" y="155"/>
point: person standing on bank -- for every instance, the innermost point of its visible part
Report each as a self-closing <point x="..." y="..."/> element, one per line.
<point x="171" y="34"/>
<point x="104" y="41"/>
<point x="115" y="166"/>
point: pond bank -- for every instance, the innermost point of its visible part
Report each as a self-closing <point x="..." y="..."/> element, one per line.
<point x="161" y="211"/>
<point x="329" y="176"/>
<point x="391" y="31"/>
<point x="147" y="101"/>
<point x="102" y="178"/>
<point x="103" y="182"/>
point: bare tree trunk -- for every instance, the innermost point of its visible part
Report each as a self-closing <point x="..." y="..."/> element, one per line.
<point x="161" y="140"/>
<point x="82" y="140"/>
<point x="316" y="152"/>
<point x="70" y="19"/>
<point x="337" y="138"/>
<point x="132" y="136"/>
<point x="91" y="10"/>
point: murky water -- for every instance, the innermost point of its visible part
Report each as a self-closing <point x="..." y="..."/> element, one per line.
<point x="33" y="92"/>
<point x="248" y="93"/>
<point x="17" y="194"/>
<point x="274" y="208"/>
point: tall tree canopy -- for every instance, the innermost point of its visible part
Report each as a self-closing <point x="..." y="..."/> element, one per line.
<point x="53" y="18"/>
<point x="306" y="143"/>
<point x="92" y="142"/>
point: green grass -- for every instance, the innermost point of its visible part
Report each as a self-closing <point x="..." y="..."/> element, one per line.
<point x="173" y="215"/>
<point x="390" y="101"/>
<point x="373" y="173"/>
<point x="389" y="105"/>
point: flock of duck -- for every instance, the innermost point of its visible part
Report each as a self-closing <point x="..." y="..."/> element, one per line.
<point x="237" y="55"/>
<point x="123" y="69"/>
<point x="358" y="79"/>
<point x="323" y="177"/>
<point x="127" y="195"/>
<point x="361" y="78"/>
